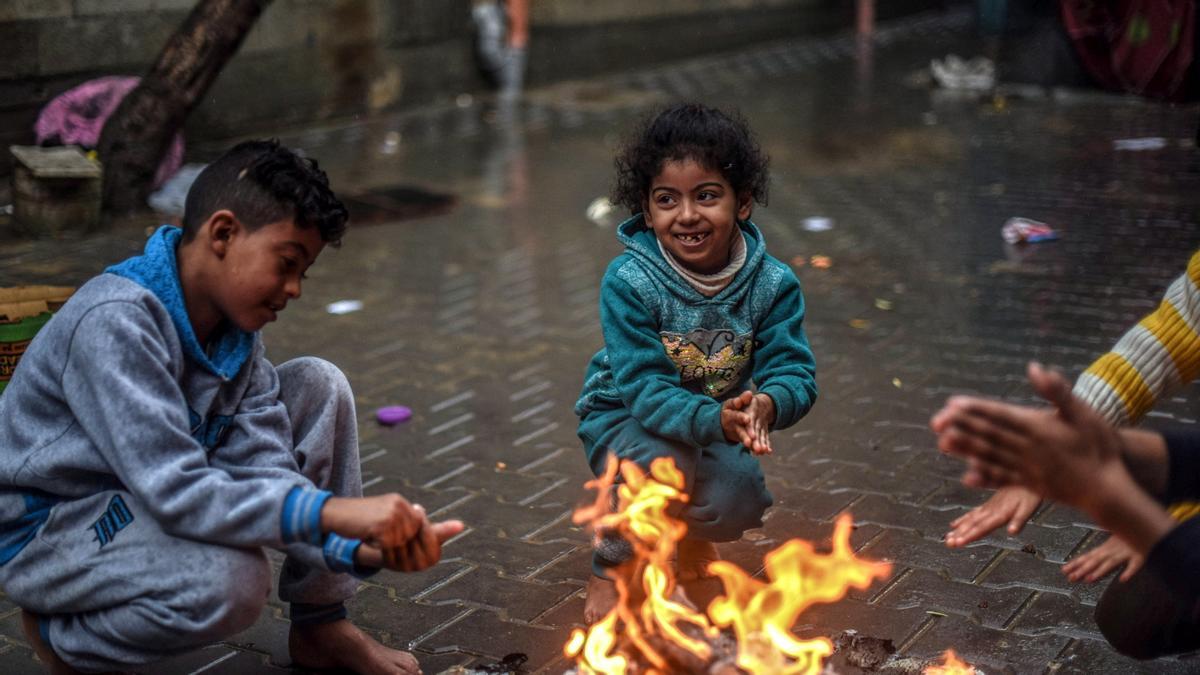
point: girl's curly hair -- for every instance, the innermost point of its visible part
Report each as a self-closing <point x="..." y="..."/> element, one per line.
<point x="710" y="137"/>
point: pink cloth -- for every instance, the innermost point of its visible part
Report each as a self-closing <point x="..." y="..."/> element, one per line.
<point x="77" y="116"/>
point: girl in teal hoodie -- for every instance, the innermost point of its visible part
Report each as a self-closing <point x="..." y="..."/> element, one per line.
<point x="693" y="311"/>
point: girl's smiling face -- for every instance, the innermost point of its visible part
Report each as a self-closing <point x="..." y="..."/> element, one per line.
<point x="694" y="212"/>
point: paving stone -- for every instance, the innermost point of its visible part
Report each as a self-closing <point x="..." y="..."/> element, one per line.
<point x="961" y="564"/>
<point x="1055" y="613"/>
<point x="989" y="649"/>
<point x="501" y="519"/>
<point x="515" y="556"/>
<point x="512" y="598"/>
<point x="575" y="566"/>
<point x="401" y="623"/>
<point x="412" y="584"/>
<point x="861" y="480"/>
<point x="932" y="592"/>
<point x="567" y="614"/>
<point x="1021" y="569"/>
<point x="1092" y="657"/>
<point x="483" y="632"/>
<point x="849" y="614"/>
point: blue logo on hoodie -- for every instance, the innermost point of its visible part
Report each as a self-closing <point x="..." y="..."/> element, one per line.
<point x="114" y="519"/>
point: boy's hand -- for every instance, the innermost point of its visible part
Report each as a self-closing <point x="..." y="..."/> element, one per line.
<point x="387" y="520"/>
<point x="420" y="552"/>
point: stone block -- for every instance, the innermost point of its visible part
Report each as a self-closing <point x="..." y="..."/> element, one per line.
<point x="101" y="7"/>
<point x="22" y="10"/>
<point x="55" y="190"/>
<point x="512" y="598"/>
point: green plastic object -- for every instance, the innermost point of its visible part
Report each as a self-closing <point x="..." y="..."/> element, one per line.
<point x="14" y="338"/>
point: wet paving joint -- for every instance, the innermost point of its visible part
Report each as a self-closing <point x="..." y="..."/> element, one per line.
<point x="479" y="314"/>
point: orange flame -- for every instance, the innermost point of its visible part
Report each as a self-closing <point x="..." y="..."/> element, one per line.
<point x="952" y="666"/>
<point x="761" y="614"/>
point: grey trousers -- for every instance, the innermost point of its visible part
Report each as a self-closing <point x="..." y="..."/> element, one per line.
<point x="144" y="597"/>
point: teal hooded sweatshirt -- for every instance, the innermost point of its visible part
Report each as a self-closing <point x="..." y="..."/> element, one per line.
<point x="671" y="355"/>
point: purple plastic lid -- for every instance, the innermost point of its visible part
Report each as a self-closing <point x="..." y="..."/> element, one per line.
<point x="393" y="414"/>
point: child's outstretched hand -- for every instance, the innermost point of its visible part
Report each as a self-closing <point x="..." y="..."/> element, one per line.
<point x="762" y="416"/>
<point x="747" y="419"/>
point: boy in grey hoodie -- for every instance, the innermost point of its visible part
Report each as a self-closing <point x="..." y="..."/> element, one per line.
<point x="150" y="451"/>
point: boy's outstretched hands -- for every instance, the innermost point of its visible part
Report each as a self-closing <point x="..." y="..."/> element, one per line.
<point x="747" y="419"/>
<point x="1063" y="453"/>
<point x="396" y="534"/>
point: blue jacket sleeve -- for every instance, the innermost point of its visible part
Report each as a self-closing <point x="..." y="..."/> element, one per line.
<point x="783" y="362"/>
<point x="645" y="377"/>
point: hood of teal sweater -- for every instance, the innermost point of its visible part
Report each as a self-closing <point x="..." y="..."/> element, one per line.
<point x="157" y="271"/>
<point x="640" y="243"/>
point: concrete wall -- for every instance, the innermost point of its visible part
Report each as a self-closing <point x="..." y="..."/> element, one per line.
<point x="308" y="60"/>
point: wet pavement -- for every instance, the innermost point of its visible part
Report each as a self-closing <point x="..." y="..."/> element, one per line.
<point x="482" y="318"/>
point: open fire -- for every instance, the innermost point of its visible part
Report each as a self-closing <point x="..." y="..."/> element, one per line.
<point x="652" y="630"/>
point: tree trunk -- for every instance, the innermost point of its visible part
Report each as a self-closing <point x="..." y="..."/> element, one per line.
<point x="136" y="136"/>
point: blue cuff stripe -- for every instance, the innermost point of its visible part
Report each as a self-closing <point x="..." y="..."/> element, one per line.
<point x="339" y="556"/>
<point x="302" y="515"/>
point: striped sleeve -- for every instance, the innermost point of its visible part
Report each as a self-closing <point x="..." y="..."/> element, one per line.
<point x="1156" y="357"/>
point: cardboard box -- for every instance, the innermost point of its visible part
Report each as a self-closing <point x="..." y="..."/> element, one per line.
<point x="23" y="312"/>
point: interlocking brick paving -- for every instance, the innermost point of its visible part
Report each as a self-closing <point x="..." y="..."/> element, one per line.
<point x="482" y="319"/>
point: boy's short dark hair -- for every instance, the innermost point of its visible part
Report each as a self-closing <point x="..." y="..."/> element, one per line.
<point x="712" y="138"/>
<point x="262" y="182"/>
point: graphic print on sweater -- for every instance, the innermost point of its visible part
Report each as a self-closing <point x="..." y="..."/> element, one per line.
<point x="714" y="357"/>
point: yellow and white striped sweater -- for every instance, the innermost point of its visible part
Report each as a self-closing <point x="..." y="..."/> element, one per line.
<point x="1156" y="357"/>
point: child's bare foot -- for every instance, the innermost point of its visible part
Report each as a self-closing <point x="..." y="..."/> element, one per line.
<point x="56" y="666"/>
<point x="693" y="558"/>
<point x="341" y="644"/>
<point x="601" y="598"/>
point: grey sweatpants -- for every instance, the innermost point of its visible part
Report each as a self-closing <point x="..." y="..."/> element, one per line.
<point x="145" y="594"/>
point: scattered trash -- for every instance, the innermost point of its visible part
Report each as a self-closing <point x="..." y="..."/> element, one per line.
<point x="464" y="100"/>
<point x="862" y="651"/>
<point x="897" y="383"/>
<point x="76" y="117"/>
<point x="822" y="262"/>
<point x="818" y="224"/>
<point x="500" y="466"/>
<point x="1138" y="144"/>
<point x="600" y="211"/>
<point x="393" y="414"/>
<point x="6" y="210"/>
<point x="952" y="72"/>
<point x="1029" y="548"/>
<point x="1023" y="230"/>
<point x="169" y="199"/>
<point x="935" y="613"/>
<point x="344" y="306"/>
<point x="511" y="663"/>
<point x="860" y="324"/>
<point x="885" y="305"/>
<point x="391" y="143"/>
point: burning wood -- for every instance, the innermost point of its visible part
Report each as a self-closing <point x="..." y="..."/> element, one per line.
<point x="653" y="630"/>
